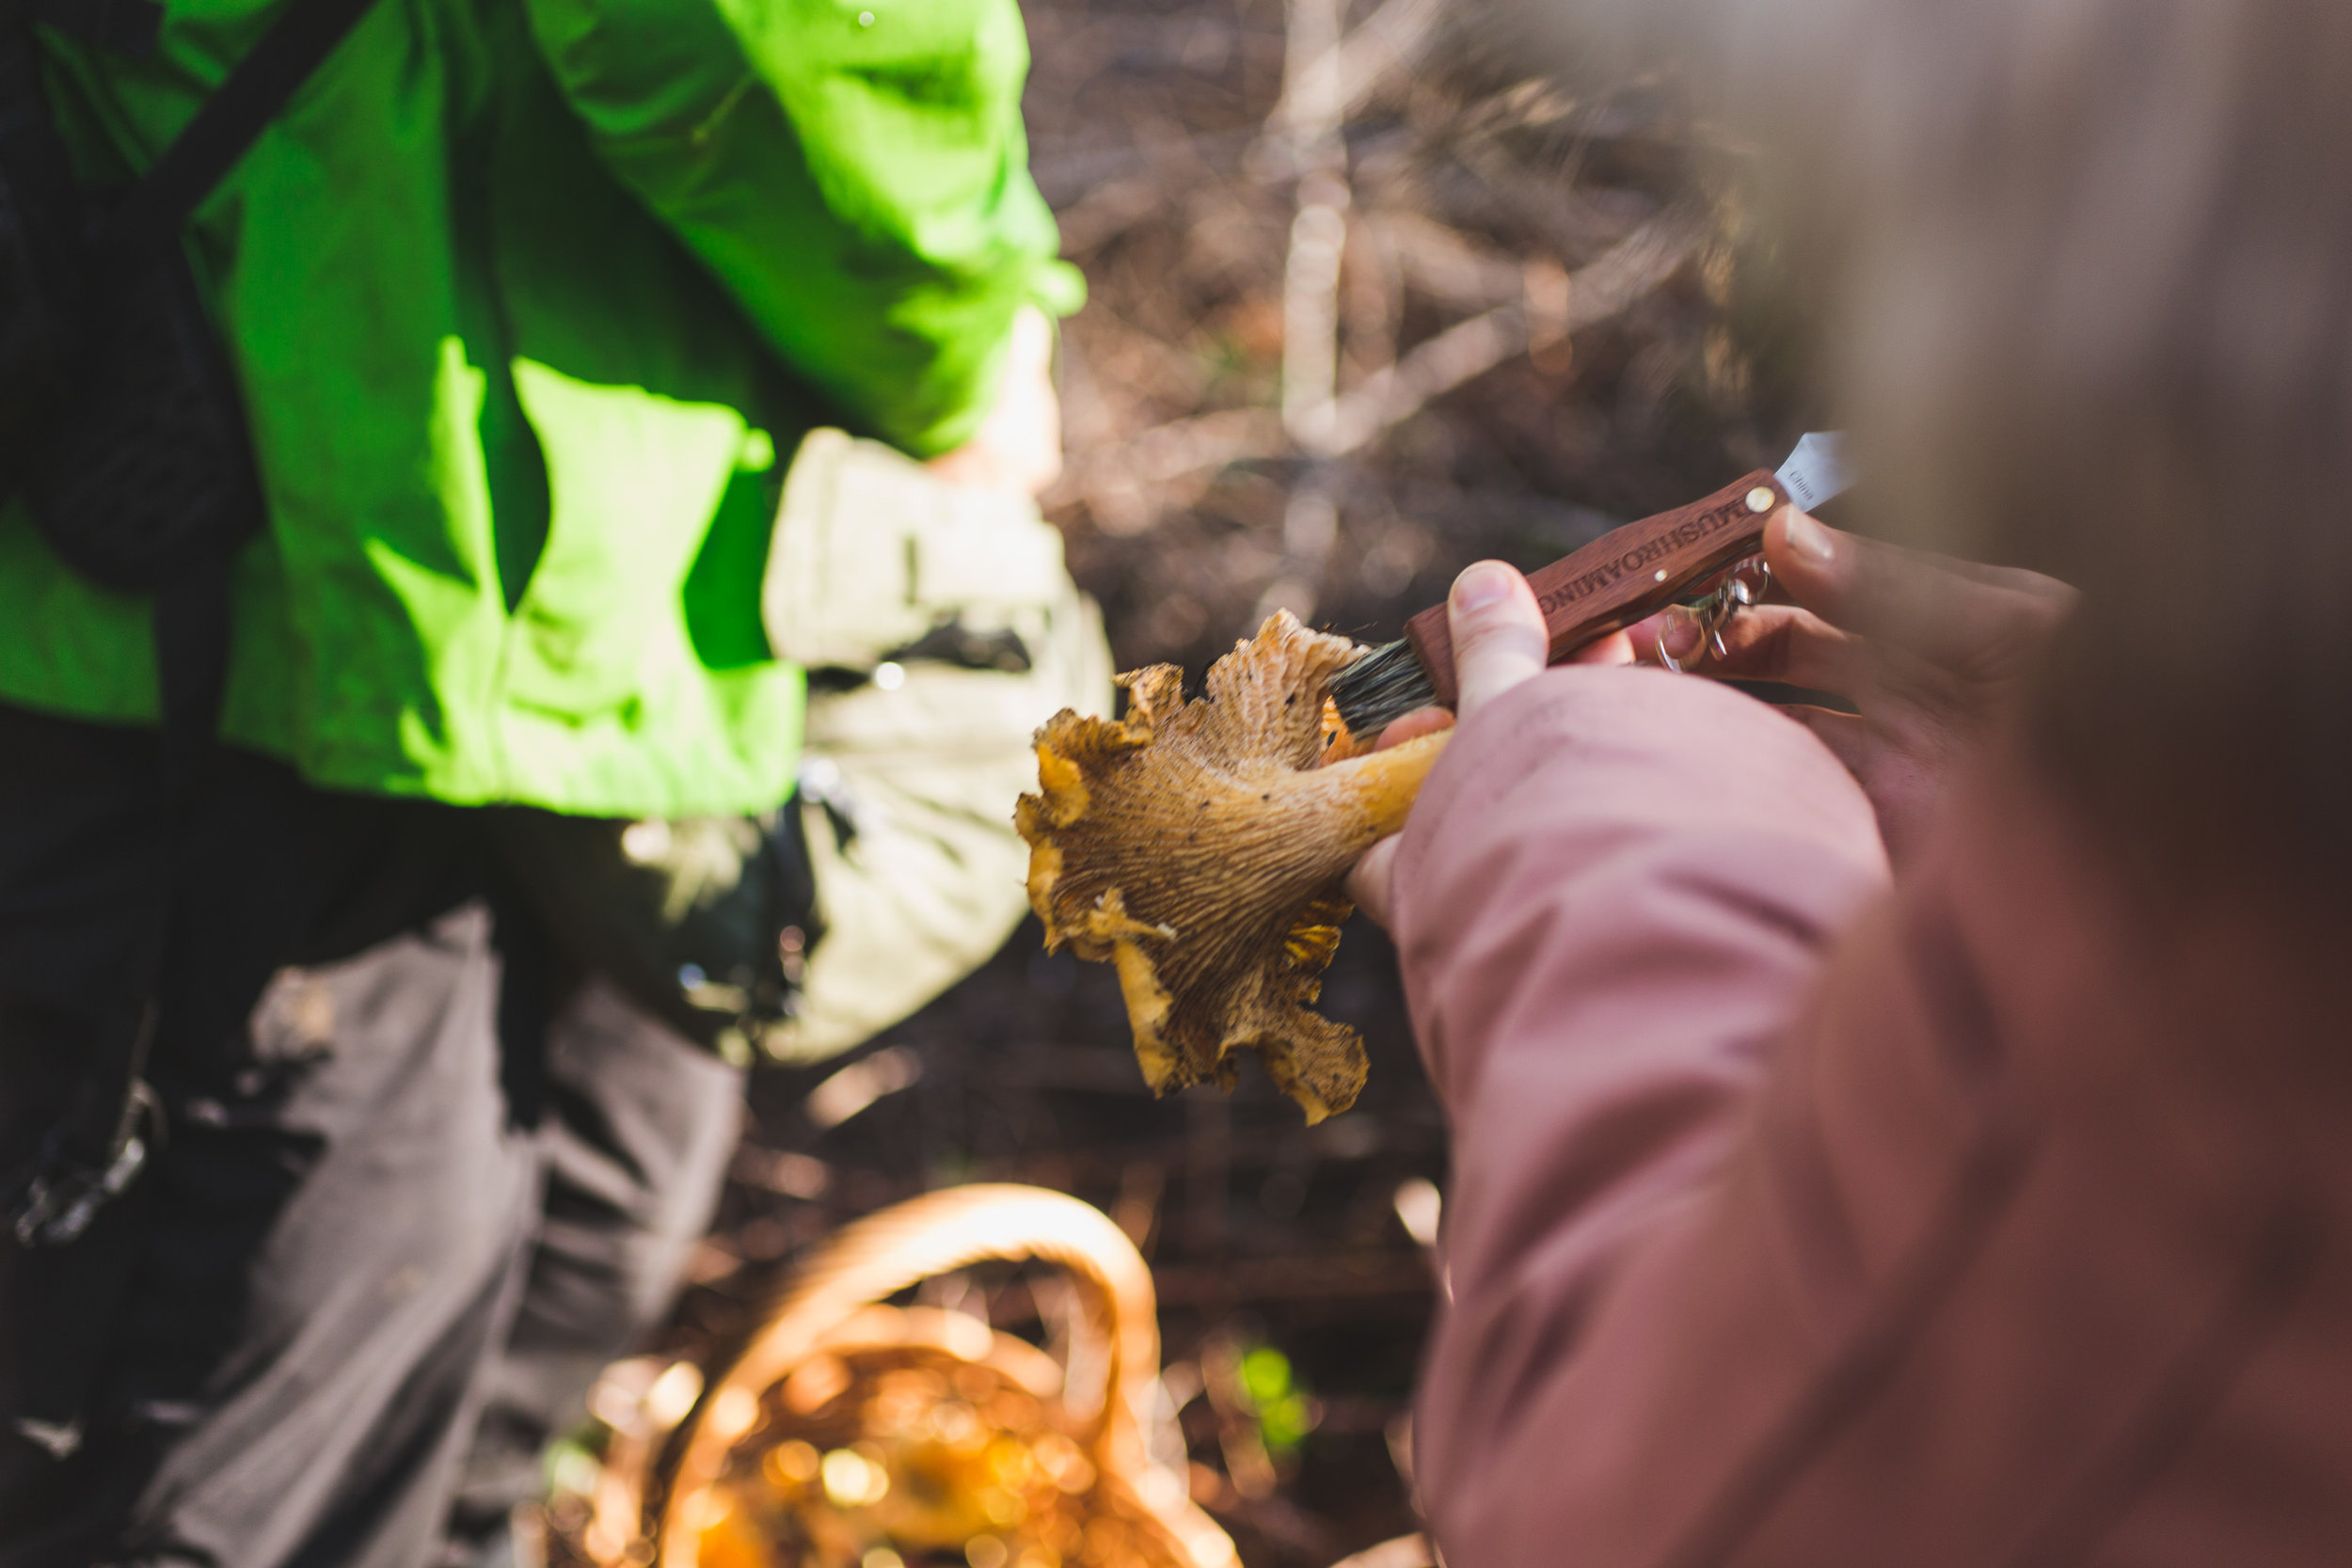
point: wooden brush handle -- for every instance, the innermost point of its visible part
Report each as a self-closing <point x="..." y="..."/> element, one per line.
<point x="1623" y="576"/>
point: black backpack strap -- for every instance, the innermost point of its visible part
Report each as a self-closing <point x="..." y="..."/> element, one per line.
<point x="97" y="1154"/>
<point x="297" y="44"/>
<point x="192" y="614"/>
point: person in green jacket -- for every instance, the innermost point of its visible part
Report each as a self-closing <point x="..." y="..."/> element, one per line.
<point x="529" y="306"/>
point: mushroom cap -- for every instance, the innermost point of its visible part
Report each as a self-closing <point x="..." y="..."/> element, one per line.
<point x="1199" y="847"/>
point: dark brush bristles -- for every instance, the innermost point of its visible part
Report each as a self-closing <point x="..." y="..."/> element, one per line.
<point x="1380" y="688"/>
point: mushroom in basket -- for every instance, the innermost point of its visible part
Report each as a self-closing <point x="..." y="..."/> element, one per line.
<point x="850" y="1433"/>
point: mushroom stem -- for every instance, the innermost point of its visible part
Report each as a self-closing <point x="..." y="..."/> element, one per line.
<point x="1383" y="785"/>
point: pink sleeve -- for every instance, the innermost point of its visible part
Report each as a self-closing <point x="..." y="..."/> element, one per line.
<point x="1609" y="899"/>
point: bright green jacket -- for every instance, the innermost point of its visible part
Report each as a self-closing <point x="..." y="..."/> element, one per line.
<point x="531" y="300"/>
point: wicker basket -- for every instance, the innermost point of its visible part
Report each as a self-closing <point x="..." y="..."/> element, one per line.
<point x="853" y="1434"/>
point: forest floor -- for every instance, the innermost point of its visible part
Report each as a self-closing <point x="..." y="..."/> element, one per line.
<point x="1539" y="315"/>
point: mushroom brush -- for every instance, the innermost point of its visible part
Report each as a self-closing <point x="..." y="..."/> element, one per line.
<point x="1200" y="848"/>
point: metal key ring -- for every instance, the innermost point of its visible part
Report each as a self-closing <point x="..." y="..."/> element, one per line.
<point x="1744" y="587"/>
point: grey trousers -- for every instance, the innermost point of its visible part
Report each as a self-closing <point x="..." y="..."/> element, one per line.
<point x="419" y="1177"/>
<point x="633" y="1149"/>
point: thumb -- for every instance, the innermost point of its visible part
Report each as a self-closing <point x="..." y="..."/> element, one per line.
<point x="1813" y="564"/>
<point x="1498" y="631"/>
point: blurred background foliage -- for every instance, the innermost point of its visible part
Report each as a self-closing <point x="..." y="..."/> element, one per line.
<point x="1547" y="317"/>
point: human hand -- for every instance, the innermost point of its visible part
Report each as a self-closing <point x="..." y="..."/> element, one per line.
<point x="1018" y="446"/>
<point x="1931" y="650"/>
<point x="1500" y="640"/>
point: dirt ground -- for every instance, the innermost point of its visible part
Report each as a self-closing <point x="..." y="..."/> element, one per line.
<point x="1475" y="193"/>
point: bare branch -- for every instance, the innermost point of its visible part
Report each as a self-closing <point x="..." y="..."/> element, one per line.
<point x="1111" y="479"/>
<point x="1446" y="264"/>
<point x="1464" y="350"/>
<point x="1354" y="69"/>
<point x="1308" y="122"/>
<point x="1623" y="275"/>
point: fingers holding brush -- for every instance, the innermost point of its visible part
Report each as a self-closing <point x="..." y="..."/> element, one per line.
<point x="1498" y="631"/>
<point x="1498" y="642"/>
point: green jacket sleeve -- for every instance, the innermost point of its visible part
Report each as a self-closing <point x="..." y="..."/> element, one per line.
<point x="854" y="172"/>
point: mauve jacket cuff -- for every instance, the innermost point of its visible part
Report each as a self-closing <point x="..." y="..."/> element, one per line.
<point x="1658" y="772"/>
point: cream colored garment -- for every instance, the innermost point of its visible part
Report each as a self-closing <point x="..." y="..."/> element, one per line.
<point x="925" y="760"/>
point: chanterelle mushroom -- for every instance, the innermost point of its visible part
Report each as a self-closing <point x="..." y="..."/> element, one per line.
<point x="1199" y="848"/>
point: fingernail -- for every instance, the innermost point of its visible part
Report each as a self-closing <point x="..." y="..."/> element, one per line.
<point x="1808" y="540"/>
<point x="1484" y="583"/>
<point x="1680" y="638"/>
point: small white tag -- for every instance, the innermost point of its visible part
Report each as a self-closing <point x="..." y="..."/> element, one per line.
<point x="1816" y="472"/>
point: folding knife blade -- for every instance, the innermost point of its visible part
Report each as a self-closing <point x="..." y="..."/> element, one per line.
<point x="1815" y="470"/>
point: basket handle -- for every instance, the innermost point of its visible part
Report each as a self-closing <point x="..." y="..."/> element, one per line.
<point x="882" y="1254"/>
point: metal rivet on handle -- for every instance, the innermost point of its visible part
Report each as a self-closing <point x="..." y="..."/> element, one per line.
<point x="1761" y="499"/>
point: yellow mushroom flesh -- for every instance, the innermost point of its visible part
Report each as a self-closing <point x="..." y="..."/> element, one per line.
<point x="1199" y="848"/>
